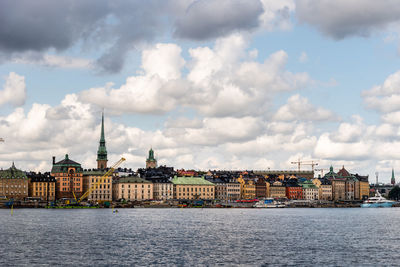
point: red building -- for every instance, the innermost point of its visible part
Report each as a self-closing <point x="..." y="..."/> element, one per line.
<point x="294" y="190"/>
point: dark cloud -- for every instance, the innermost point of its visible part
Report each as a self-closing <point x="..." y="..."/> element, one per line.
<point x="206" y="19"/>
<point x="113" y="28"/>
<point x="342" y="18"/>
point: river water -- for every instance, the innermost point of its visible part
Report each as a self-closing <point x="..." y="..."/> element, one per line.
<point x="186" y="237"/>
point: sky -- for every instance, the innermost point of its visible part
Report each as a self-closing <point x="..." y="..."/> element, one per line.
<point x="208" y="84"/>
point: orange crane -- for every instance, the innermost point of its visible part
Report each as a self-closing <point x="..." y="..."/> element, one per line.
<point x="94" y="186"/>
<point x="305" y="162"/>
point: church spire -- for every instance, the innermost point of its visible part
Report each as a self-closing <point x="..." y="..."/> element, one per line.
<point x="102" y="151"/>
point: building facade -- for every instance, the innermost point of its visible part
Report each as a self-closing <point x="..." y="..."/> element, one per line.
<point x="294" y="190"/>
<point x="163" y="190"/>
<point x="13" y="183"/>
<point x="132" y="188"/>
<point x="277" y="190"/>
<point x="69" y="178"/>
<point x="191" y="188"/>
<point x="102" y="186"/>
<point x="42" y="186"/>
<point x="310" y="191"/>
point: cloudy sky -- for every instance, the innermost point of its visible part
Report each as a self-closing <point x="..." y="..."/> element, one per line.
<point x="209" y="84"/>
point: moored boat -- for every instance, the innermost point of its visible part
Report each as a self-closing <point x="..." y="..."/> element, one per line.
<point x="378" y="201"/>
<point x="269" y="203"/>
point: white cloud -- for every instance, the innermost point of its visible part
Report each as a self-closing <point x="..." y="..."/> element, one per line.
<point x="14" y="90"/>
<point x="298" y="108"/>
<point x="222" y="81"/>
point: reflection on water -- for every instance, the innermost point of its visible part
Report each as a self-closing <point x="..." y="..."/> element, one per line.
<point x="297" y="237"/>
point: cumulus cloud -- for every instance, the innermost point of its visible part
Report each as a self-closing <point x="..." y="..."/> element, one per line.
<point x="220" y="81"/>
<point x="342" y="18"/>
<point x="14" y="90"/>
<point x="385" y="98"/>
<point x="298" y="108"/>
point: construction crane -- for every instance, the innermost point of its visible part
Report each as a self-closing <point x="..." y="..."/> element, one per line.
<point x="307" y="162"/>
<point x="94" y="186"/>
<point x="321" y="170"/>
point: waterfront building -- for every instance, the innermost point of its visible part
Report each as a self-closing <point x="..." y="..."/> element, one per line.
<point x="190" y="188"/>
<point x="268" y="190"/>
<point x="293" y="189"/>
<point x="261" y="188"/>
<point x="310" y="190"/>
<point x="103" y="190"/>
<point x="278" y="190"/>
<point x="161" y="178"/>
<point x="247" y="188"/>
<point x="42" y="186"/>
<point x="225" y="189"/>
<point x="325" y="189"/>
<point x="151" y="161"/>
<point x="363" y="185"/>
<point x="162" y="189"/>
<point x="132" y="188"/>
<point x="13" y="183"/>
<point x="349" y="183"/>
<point x="338" y="185"/>
<point x="102" y="151"/>
<point x="68" y="174"/>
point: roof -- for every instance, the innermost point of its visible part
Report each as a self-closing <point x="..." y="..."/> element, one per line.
<point x="190" y="181"/>
<point x="95" y="172"/>
<point x="12" y="173"/>
<point x="309" y="185"/>
<point x="39" y="177"/>
<point x="344" y="173"/>
<point x="64" y="164"/>
<point x="132" y="179"/>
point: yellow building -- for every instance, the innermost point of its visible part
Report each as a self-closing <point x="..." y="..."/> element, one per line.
<point x="268" y="185"/>
<point x="132" y="188"/>
<point x="247" y="188"/>
<point x="101" y="193"/>
<point x="42" y="186"/>
<point x="364" y="189"/>
<point x="188" y="188"/>
<point x="277" y="190"/>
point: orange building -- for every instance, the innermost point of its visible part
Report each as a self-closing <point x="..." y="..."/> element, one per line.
<point x="69" y="178"/>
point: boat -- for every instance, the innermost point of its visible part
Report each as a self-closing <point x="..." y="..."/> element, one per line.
<point x="269" y="203"/>
<point x="378" y="201"/>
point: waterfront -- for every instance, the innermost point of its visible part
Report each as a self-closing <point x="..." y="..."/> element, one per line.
<point x="336" y="237"/>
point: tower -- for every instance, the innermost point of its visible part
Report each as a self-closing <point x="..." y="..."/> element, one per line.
<point x="151" y="162"/>
<point x="102" y="151"/>
<point x="393" y="180"/>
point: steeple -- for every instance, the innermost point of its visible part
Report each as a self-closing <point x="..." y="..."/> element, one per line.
<point x="393" y="180"/>
<point x="102" y="151"/>
<point x="151" y="161"/>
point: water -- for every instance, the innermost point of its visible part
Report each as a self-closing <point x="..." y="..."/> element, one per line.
<point x="185" y="237"/>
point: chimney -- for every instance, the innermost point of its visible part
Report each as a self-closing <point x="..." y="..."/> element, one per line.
<point x="54" y="160"/>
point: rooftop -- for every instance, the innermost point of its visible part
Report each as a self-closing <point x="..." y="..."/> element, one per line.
<point x="190" y="181"/>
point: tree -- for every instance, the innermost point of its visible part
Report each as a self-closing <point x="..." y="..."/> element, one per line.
<point x="395" y="193"/>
